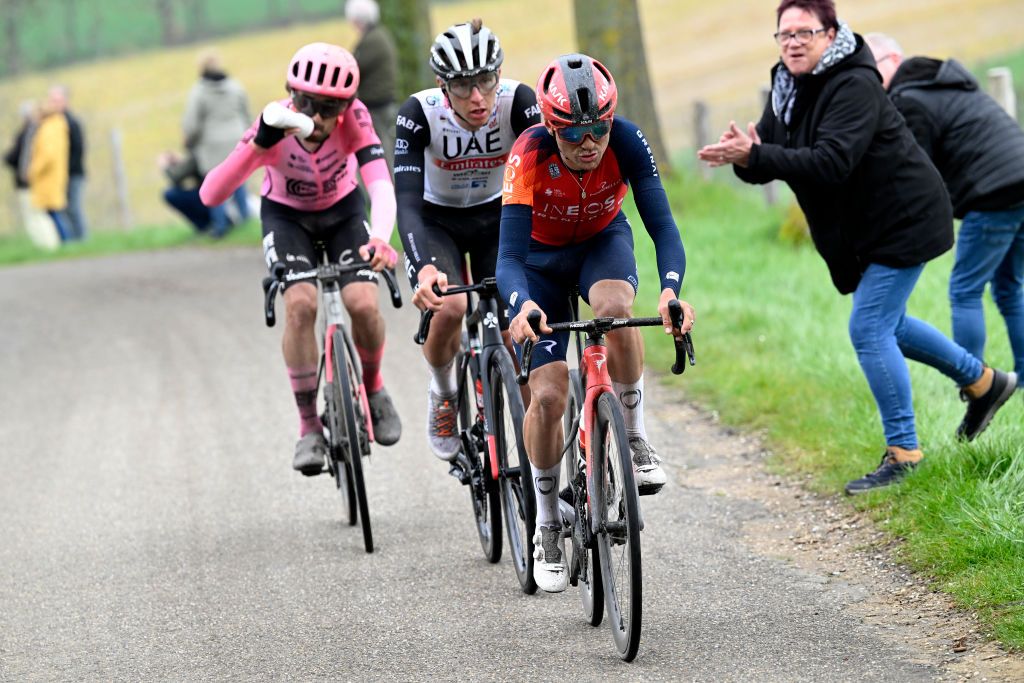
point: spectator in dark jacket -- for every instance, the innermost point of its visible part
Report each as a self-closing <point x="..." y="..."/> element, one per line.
<point x="58" y="101"/>
<point x="36" y="224"/>
<point x="979" y="150"/>
<point x="877" y="210"/>
<point x="377" y="58"/>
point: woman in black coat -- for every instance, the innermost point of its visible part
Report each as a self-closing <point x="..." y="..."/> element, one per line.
<point x="877" y="210"/>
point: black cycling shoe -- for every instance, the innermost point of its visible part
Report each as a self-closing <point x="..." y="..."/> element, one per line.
<point x="980" y="410"/>
<point x="387" y="426"/>
<point x="890" y="471"/>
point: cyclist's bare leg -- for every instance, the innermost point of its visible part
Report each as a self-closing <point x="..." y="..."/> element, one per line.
<point x="301" y="357"/>
<point x="360" y="299"/>
<point x="542" y="426"/>
<point x="614" y="298"/>
<point x="299" y="340"/>
<point x="444" y="338"/>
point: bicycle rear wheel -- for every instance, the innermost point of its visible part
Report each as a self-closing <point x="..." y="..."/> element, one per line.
<point x="584" y="567"/>
<point x="618" y="509"/>
<point x="514" y="473"/>
<point x="336" y="445"/>
<point x="483" y="488"/>
<point x="344" y="377"/>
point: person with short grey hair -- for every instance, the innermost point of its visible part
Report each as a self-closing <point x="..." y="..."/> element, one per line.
<point x="377" y="58"/>
<point x="979" y="150"/>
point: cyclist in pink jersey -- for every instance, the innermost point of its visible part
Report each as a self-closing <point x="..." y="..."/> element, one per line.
<point x="309" y="197"/>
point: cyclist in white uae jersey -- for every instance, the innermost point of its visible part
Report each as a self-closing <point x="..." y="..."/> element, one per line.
<point x="450" y="150"/>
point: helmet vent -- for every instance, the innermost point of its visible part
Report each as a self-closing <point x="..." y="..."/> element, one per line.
<point x="604" y="71"/>
<point x="583" y="95"/>
<point x="309" y="71"/>
<point x="322" y="75"/>
<point x="547" y="79"/>
<point x="574" y="63"/>
<point x="348" y="80"/>
<point x="334" y="78"/>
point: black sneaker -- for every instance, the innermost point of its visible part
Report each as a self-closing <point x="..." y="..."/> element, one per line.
<point x="889" y="472"/>
<point x="980" y="410"/>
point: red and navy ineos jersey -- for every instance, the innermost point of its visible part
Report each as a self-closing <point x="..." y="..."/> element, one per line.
<point x="545" y="201"/>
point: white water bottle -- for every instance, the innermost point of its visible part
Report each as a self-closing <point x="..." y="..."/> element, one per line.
<point x="279" y="116"/>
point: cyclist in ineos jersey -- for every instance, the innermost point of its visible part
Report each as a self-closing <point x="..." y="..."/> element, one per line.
<point x="562" y="228"/>
<point x="452" y="143"/>
<point x="310" y="195"/>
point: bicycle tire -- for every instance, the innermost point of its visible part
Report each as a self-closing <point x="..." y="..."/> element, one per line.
<point x="583" y="561"/>
<point x="618" y="536"/>
<point x="335" y="443"/>
<point x="483" y="489"/>
<point x="344" y="373"/>
<point x="362" y="405"/>
<point x="515" y="476"/>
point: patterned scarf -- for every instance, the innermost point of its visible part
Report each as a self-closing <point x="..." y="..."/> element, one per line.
<point x="785" y="85"/>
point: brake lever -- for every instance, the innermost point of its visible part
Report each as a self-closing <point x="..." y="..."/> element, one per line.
<point x="533" y="317"/>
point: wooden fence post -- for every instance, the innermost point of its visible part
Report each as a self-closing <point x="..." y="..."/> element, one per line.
<point x="1000" y="86"/>
<point x="701" y="133"/>
<point x="124" y="210"/>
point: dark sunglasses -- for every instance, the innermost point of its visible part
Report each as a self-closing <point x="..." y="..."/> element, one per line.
<point x="327" y="108"/>
<point x="574" y="134"/>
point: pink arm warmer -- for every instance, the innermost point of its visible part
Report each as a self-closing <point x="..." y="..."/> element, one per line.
<point x="229" y="174"/>
<point x="382" y="198"/>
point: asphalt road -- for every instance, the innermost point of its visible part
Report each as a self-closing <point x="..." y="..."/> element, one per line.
<point x="151" y="526"/>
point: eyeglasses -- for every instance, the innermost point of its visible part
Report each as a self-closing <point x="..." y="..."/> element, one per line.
<point x="574" y="134"/>
<point x="327" y="108"/>
<point x="885" y="57"/>
<point x="463" y="87"/>
<point x="802" y="37"/>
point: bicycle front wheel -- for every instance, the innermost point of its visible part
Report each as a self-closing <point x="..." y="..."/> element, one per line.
<point x="346" y="379"/>
<point x="514" y="473"/>
<point x="617" y="506"/>
<point x="483" y="488"/>
<point x="584" y="566"/>
<point x="335" y="422"/>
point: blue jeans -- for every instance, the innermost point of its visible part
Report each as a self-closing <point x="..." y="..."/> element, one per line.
<point x="884" y="335"/>
<point x="190" y="206"/>
<point x="219" y="219"/>
<point x="990" y="248"/>
<point x="60" y="222"/>
<point x="76" y="219"/>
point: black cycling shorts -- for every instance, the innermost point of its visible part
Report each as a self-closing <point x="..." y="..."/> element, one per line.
<point x="453" y="233"/>
<point x="293" y="237"/>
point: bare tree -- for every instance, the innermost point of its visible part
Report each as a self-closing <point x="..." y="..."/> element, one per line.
<point x="409" y="23"/>
<point x="170" y="28"/>
<point x="610" y="31"/>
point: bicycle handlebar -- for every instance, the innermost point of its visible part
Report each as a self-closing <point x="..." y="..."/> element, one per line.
<point x="273" y="283"/>
<point x="684" y="345"/>
<point x="488" y="287"/>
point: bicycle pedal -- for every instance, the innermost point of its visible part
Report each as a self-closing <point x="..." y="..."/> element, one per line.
<point x="459" y="473"/>
<point x="313" y="472"/>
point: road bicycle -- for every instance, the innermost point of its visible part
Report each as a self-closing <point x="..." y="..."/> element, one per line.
<point x="491" y="461"/>
<point x="346" y="413"/>
<point x="600" y="507"/>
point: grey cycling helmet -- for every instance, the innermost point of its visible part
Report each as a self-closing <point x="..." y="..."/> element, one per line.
<point x="465" y="50"/>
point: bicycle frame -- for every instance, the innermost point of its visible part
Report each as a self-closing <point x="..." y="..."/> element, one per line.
<point x="334" y="317"/>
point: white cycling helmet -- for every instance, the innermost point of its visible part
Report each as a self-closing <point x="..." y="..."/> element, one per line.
<point x="465" y="50"/>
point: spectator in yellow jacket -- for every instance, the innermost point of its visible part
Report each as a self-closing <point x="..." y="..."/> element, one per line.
<point x="48" y="168"/>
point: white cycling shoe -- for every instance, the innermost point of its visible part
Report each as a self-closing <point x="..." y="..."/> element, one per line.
<point x="647" y="470"/>
<point x="442" y="426"/>
<point x="549" y="567"/>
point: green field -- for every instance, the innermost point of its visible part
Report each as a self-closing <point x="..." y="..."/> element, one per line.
<point x="691" y="57"/>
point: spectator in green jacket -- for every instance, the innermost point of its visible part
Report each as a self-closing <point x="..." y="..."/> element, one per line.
<point x="378" y="68"/>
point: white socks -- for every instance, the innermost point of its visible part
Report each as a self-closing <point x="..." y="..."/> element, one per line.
<point x="630" y="397"/>
<point x="545" y="483"/>
<point x="443" y="380"/>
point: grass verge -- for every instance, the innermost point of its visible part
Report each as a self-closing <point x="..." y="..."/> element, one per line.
<point x="19" y="249"/>
<point x="773" y="355"/>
